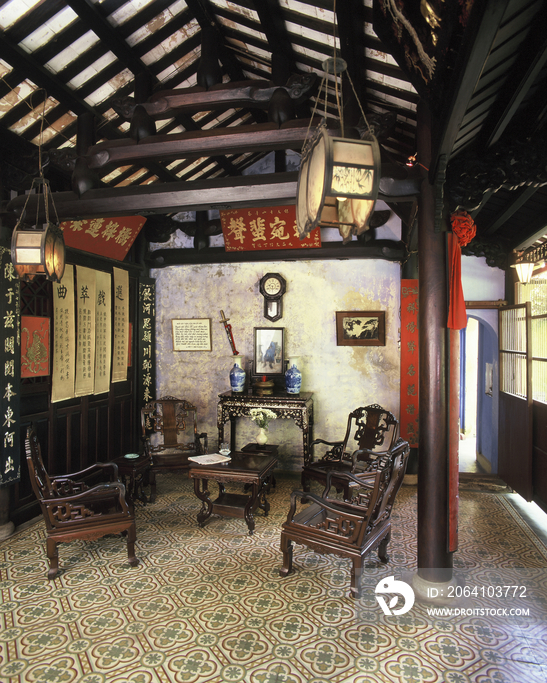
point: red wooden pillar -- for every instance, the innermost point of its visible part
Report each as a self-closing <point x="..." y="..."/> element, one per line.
<point x="434" y="559"/>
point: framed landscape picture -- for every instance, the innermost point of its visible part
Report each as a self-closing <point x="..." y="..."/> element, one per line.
<point x="360" y="328"/>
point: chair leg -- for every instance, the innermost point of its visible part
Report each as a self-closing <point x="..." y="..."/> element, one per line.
<point x="53" y="557"/>
<point x="305" y="482"/>
<point x="382" y="549"/>
<point x="286" y="549"/>
<point x="152" y="481"/>
<point x="356" y="572"/>
<point x="131" y="538"/>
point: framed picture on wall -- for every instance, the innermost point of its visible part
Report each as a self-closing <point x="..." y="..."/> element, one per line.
<point x="269" y="352"/>
<point x="360" y="328"/>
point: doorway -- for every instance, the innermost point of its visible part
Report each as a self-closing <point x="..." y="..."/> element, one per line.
<point x="468" y="399"/>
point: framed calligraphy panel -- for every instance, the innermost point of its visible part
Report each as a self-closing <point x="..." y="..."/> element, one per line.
<point x="146" y="378"/>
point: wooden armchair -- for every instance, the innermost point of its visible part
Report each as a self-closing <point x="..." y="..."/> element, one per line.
<point x="72" y="509"/>
<point x="349" y="528"/>
<point x="170" y="434"/>
<point x="371" y="433"/>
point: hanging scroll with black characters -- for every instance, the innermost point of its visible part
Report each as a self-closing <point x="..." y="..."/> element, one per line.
<point x="146" y="342"/>
<point x="120" y="354"/>
<point x="64" y="346"/>
<point x="103" y="331"/>
<point x="85" y="342"/>
<point x="10" y="349"/>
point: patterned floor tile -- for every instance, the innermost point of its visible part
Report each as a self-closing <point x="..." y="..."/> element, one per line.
<point x="208" y="604"/>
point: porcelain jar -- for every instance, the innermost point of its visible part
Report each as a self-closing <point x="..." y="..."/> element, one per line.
<point x="293" y="377"/>
<point x="237" y="374"/>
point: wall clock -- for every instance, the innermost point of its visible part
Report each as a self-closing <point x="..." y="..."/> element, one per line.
<point x="272" y="288"/>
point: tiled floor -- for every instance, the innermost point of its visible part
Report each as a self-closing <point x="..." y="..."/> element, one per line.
<point x="209" y="605"/>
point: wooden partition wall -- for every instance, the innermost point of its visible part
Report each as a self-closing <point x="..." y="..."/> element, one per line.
<point x="77" y="432"/>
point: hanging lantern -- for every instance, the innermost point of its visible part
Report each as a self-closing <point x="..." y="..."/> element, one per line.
<point x="339" y="168"/>
<point x="524" y="271"/>
<point x="38" y="251"/>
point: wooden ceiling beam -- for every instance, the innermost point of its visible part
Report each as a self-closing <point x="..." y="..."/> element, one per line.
<point x="238" y="140"/>
<point x="224" y="193"/>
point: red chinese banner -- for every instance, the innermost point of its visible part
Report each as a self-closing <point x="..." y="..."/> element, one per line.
<point x="35" y="352"/>
<point x="264" y="228"/>
<point x="111" y="237"/>
<point x="409" y="362"/>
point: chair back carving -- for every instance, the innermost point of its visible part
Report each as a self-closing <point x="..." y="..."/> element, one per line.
<point x="171" y="418"/>
<point x="170" y="435"/>
<point x="373" y="428"/>
<point x="39" y="478"/>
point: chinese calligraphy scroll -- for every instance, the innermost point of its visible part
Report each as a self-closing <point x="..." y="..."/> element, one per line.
<point x="146" y="344"/>
<point x="64" y="347"/>
<point x="103" y="331"/>
<point x="110" y="237"/>
<point x="120" y="354"/>
<point x="409" y="362"/>
<point x="263" y="229"/>
<point x="85" y="342"/>
<point x="10" y="351"/>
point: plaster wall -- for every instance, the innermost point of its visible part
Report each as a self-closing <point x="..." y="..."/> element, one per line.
<point x="340" y="377"/>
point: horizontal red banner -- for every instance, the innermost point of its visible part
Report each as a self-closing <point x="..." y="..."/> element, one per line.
<point x="264" y="228"/>
<point x="110" y="237"/>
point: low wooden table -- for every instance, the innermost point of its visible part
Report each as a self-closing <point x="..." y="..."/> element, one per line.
<point x="244" y="468"/>
<point x="134" y="475"/>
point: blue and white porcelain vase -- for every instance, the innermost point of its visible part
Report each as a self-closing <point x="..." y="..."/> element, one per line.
<point x="293" y="378"/>
<point x="237" y="374"/>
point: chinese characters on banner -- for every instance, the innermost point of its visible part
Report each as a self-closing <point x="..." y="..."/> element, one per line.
<point x="64" y="346"/>
<point x="146" y="328"/>
<point x="264" y="228"/>
<point x="120" y="353"/>
<point x="409" y="362"/>
<point x="111" y="237"/>
<point x="103" y="331"/>
<point x="85" y="342"/>
<point x="10" y="351"/>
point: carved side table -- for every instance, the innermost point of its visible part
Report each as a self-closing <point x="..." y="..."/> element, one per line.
<point x="134" y="475"/>
<point x="297" y="407"/>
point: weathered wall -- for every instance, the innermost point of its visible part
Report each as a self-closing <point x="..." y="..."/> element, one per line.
<point x="341" y="377"/>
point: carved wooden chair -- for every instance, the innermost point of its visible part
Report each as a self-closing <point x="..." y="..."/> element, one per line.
<point x="371" y="433"/>
<point x="349" y="528"/>
<point x="73" y="509"/>
<point x="170" y="434"/>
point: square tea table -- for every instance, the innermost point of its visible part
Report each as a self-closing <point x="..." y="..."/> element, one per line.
<point x="244" y="468"/>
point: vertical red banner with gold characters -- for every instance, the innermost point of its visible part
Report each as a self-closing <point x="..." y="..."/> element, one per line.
<point x="409" y="362"/>
<point x="264" y="228"/>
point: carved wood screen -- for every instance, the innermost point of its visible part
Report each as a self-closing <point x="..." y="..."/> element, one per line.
<point x="515" y="399"/>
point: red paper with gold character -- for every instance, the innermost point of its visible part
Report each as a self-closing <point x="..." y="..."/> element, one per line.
<point x="264" y="228"/>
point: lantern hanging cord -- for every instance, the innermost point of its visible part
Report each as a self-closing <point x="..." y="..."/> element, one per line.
<point x="41" y="180"/>
<point x="337" y="94"/>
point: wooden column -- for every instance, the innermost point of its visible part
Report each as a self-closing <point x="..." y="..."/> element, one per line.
<point x="434" y="560"/>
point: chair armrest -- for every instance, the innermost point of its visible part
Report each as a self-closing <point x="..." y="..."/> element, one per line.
<point x="89" y="470"/>
<point x="334" y="454"/>
<point x="362" y="481"/>
<point x="67" y="509"/>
